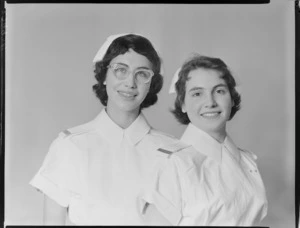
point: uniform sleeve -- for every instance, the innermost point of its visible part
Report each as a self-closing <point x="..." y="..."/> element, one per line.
<point x="164" y="191"/>
<point x="57" y="177"/>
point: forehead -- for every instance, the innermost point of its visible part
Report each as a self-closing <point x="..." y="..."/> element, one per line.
<point x="205" y="78"/>
<point x="132" y="59"/>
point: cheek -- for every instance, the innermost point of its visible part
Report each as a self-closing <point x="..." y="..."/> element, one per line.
<point x="227" y="105"/>
<point x="144" y="89"/>
<point x="111" y="83"/>
<point x="192" y="106"/>
<point x="111" y="89"/>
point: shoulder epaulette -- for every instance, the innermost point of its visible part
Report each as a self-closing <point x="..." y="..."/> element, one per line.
<point x="65" y="133"/>
<point x="253" y="155"/>
<point x="76" y="130"/>
<point x="173" y="148"/>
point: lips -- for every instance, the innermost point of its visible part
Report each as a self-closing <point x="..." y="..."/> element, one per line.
<point x="210" y="115"/>
<point x="127" y="94"/>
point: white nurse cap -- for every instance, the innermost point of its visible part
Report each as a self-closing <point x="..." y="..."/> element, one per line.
<point x="101" y="52"/>
<point x="174" y="80"/>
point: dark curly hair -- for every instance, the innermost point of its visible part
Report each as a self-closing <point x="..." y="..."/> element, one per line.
<point x="120" y="46"/>
<point x="205" y="62"/>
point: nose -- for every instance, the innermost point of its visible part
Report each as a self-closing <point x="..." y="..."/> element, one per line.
<point x="130" y="81"/>
<point x="210" y="101"/>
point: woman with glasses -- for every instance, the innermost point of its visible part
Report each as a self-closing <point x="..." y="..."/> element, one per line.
<point x="94" y="173"/>
<point x="216" y="183"/>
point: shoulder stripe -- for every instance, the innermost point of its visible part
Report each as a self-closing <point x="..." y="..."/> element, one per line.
<point x="173" y="148"/>
<point x="66" y="132"/>
<point x="177" y="146"/>
<point x="165" y="151"/>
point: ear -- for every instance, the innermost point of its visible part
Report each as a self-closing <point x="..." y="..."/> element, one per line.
<point x="183" y="108"/>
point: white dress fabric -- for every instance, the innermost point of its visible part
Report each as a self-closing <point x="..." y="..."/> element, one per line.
<point x="209" y="184"/>
<point x="98" y="170"/>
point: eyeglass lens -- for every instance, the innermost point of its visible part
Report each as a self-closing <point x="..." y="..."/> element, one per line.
<point x="122" y="72"/>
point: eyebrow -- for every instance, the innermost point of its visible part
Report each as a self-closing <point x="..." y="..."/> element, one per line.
<point x="141" y="67"/>
<point x="201" y="88"/>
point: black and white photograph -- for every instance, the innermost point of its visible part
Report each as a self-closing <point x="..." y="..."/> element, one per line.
<point x="150" y="114"/>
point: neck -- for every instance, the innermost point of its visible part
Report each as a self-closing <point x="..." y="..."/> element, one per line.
<point x="218" y="135"/>
<point x="122" y="118"/>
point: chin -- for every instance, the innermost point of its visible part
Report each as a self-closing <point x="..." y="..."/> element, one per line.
<point x="128" y="108"/>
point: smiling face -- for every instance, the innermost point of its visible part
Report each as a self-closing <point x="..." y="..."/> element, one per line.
<point x="126" y="96"/>
<point x="208" y="102"/>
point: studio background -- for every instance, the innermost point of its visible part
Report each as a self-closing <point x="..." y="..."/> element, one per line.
<point x="49" y="79"/>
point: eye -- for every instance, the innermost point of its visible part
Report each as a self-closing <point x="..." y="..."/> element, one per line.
<point x="120" y="70"/>
<point x="221" y="91"/>
<point x="143" y="74"/>
<point x="196" y="94"/>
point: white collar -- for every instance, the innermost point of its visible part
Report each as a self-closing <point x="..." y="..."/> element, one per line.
<point x="115" y="134"/>
<point x="207" y="145"/>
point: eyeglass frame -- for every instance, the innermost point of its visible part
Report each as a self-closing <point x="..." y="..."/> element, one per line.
<point x="112" y="66"/>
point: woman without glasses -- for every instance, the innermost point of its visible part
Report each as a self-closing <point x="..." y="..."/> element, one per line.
<point x="217" y="183"/>
<point x="95" y="172"/>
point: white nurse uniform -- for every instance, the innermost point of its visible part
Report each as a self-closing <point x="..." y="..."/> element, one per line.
<point x="209" y="184"/>
<point x="98" y="170"/>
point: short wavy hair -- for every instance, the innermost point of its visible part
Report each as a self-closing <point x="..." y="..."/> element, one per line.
<point x="205" y="62"/>
<point x="120" y="46"/>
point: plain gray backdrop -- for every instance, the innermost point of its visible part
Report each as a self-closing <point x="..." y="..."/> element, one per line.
<point x="49" y="78"/>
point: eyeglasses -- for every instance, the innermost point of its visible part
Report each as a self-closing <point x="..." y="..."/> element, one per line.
<point x="122" y="72"/>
